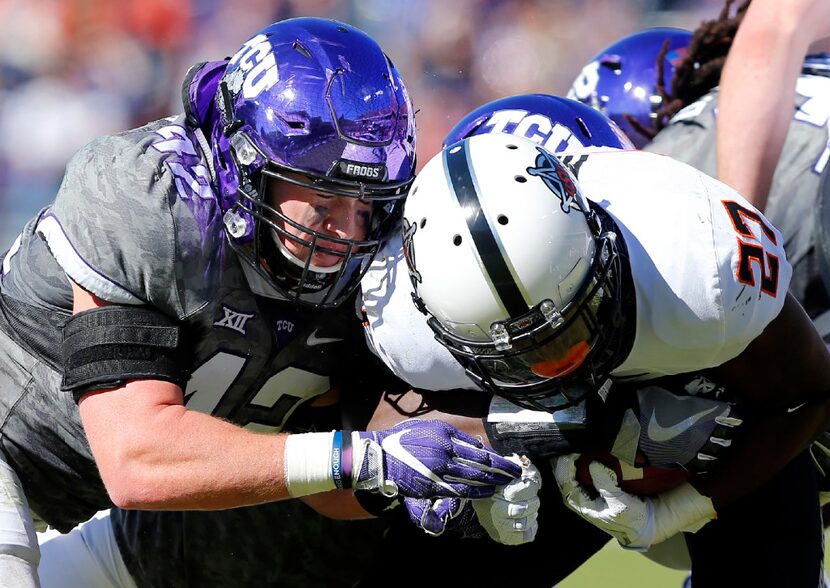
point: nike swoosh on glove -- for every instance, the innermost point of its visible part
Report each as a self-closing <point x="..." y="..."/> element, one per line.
<point x="428" y="458"/>
<point x="635" y="522"/>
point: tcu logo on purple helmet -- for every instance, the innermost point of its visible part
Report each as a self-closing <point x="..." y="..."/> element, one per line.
<point x="257" y="68"/>
<point x="560" y="125"/>
<point x="534" y="126"/>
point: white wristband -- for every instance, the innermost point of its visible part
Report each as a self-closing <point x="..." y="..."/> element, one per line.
<point x="307" y="458"/>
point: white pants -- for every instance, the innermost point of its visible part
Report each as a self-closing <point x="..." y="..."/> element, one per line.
<point x="19" y="553"/>
<point x="86" y="557"/>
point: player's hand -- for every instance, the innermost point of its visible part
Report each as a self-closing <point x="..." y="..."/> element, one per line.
<point x="428" y="458"/>
<point x="508" y="517"/>
<point x="635" y="522"/>
<point x="434" y="516"/>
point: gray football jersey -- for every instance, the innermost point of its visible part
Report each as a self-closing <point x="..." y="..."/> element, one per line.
<point x="136" y="222"/>
<point x="278" y="544"/>
<point x="793" y="198"/>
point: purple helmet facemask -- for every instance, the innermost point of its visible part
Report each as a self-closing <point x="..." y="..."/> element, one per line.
<point x="317" y="104"/>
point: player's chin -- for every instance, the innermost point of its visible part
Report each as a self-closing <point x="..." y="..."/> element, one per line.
<point x="326" y="260"/>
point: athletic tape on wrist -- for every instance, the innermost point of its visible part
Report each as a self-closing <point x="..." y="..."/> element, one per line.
<point x="308" y="463"/>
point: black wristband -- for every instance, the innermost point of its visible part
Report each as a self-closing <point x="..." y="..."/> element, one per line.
<point x="346" y="460"/>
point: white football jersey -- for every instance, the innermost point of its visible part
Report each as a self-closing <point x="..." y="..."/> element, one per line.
<point x="709" y="273"/>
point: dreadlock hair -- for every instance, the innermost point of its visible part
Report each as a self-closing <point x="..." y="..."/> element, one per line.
<point x="700" y="70"/>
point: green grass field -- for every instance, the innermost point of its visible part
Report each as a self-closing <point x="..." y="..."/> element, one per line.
<point x="613" y="567"/>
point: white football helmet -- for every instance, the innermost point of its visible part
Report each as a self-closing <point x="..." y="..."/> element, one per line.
<point x="510" y="264"/>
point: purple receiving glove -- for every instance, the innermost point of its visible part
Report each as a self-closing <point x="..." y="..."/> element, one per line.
<point x="427" y="458"/>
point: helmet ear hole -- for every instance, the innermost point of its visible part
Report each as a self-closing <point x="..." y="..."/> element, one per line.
<point x="520" y="179"/>
<point x="503" y="220"/>
<point x="456" y="240"/>
<point x="423" y="222"/>
<point x="583" y="127"/>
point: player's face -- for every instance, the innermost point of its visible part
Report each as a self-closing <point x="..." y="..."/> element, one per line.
<point x="340" y="217"/>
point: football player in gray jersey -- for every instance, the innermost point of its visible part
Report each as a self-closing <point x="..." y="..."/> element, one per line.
<point x="189" y="292"/>
<point x="764" y="62"/>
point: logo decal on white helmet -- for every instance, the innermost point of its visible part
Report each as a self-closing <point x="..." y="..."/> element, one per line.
<point x="558" y="180"/>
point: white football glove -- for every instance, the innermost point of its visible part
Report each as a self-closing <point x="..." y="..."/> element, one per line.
<point x="510" y="515"/>
<point x="635" y="522"/>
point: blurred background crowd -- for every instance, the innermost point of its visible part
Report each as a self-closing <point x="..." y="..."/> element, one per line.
<point x="71" y="70"/>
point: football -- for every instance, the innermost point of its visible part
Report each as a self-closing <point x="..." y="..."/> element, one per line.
<point x="641" y="481"/>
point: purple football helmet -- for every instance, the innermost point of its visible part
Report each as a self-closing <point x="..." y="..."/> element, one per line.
<point x="315" y="103"/>
<point x="622" y="82"/>
<point x="558" y="124"/>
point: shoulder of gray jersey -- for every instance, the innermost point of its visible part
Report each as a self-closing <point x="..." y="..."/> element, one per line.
<point x="136" y="220"/>
<point x="690" y="137"/>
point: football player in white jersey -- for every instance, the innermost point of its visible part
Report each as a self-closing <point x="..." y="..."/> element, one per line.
<point x="701" y="130"/>
<point x="660" y="270"/>
<point x="795" y="202"/>
<point x="547" y="120"/>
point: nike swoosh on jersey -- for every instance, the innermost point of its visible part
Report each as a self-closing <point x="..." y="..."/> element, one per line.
<point x="658" y="432"/>
<point x="392" y="446"/>
<point x="313" y="339"/>
<point x="795" y="408"/>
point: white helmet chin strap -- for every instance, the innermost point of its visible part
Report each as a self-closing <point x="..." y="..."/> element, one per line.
<point x="299" y="262"/>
